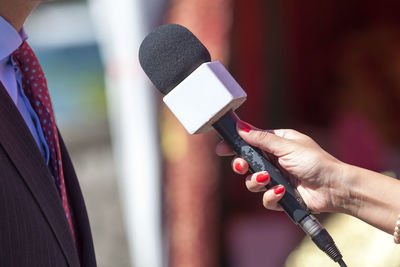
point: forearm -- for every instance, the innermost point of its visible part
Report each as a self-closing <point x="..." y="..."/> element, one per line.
<point x="370" y="196"/>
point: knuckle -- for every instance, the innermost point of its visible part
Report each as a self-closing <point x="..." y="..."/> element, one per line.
<point x="267" y="202"/>
<point x="261" y="136"/>
<point x="252" y="186"/>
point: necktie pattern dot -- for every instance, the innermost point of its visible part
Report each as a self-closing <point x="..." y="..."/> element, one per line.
<point x="35" y="88"/>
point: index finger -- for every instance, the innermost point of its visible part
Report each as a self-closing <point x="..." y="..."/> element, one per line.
<point x="223" y="149"/>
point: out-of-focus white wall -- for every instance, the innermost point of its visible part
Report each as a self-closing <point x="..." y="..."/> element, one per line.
<point x="133" y="109"/>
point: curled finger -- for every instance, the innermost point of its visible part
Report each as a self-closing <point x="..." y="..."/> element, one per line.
<point x="272" y="196"/>
<point x="257" y="181"/>
<point x="240" y="166"/>
<point x="223" y="149"/>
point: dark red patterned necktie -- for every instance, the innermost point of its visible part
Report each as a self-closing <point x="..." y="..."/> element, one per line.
<point x="35" y="88"/>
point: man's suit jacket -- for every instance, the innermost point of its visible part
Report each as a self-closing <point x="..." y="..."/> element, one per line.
<point x="33" y="228"/>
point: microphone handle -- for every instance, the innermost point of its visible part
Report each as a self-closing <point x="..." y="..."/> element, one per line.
<point x="292" y="203"/>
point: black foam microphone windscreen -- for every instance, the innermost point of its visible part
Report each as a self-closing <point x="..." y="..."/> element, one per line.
<point x="169" y="54"/>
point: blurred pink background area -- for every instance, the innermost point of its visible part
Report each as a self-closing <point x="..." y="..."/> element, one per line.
<point x="330" y="69"/>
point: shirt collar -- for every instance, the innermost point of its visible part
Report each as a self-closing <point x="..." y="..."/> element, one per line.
<point x="10" y="39"/>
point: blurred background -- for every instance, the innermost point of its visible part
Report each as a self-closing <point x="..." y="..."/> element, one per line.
<point x="159" y="197"/>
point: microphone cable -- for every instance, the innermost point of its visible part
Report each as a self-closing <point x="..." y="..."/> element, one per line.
<point x="342" y="263"/>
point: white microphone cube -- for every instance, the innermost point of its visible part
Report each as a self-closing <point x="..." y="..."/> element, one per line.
<point x="205" y="96"/>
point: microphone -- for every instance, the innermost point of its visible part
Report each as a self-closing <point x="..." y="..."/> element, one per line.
<point x="204" y="95"/>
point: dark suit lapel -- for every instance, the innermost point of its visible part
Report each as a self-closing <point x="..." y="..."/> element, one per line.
<point x="77" y="203"/>
<point x="21" y="147"/>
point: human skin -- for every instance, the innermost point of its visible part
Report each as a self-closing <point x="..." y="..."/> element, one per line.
<point x="325" y="183"/>
<point x="16" y="11"/>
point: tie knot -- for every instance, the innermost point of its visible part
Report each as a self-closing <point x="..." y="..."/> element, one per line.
<point x="29" y="65"/>
<point x="23" y="52"/>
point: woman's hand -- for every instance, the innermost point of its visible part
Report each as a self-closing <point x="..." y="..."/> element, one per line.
<point x="314" y="172"/>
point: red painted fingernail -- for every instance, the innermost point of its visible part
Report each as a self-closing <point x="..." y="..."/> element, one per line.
<point x="238" y="167"/>
<point x="262" y="177"/>
<point x="243" y="126"/>
<point x="279" y="189"/>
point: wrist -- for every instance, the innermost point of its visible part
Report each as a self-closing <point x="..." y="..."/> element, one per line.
<point x="343" y="181"/>
<point x="371" y="197"/>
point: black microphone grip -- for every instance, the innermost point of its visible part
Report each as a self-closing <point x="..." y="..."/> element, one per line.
<point x="292" y="203"/>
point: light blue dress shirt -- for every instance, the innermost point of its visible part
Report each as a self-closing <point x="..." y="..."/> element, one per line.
<point x="11" y="78"/>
